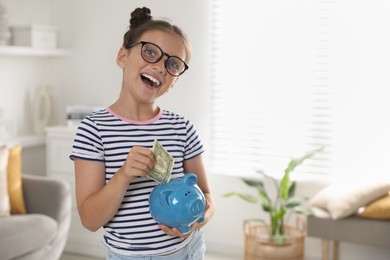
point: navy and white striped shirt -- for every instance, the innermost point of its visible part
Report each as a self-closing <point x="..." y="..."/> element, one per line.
<point x="105" y="136"/>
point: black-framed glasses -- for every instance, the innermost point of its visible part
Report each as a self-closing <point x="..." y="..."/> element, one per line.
<point x="152" y="53"/>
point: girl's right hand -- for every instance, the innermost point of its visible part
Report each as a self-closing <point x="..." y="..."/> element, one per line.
<point x="139" y="162"/>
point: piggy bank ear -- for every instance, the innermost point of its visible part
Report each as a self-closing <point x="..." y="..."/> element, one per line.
<point x="165" y="197"/>
<point x="190" y="179"/>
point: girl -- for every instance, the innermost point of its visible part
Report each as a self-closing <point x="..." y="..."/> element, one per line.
<point x="112" y="149"/>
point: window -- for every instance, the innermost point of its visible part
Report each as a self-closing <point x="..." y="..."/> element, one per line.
<point x="290" y="76"/>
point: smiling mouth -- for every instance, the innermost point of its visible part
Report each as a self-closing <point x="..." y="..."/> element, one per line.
<point x="150" y="81"/>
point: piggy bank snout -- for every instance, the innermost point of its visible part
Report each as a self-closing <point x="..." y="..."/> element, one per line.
<point x="196" y="207"/>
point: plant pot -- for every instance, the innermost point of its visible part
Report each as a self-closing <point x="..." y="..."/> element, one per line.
<point x="259" y="245"/>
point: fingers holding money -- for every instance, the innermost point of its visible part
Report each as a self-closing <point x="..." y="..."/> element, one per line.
<point x="140" y="161"/>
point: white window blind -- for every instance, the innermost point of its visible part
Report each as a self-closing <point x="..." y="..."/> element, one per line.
<point x="290" y="76"/>
<point x="272" y="96"/>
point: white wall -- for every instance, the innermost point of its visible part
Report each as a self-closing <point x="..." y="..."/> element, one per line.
<point x="19" y="79"/>
<point x="20" y="76"/>
<point x="93" y="30"/>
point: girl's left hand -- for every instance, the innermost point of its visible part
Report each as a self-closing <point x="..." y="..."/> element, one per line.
<point x="173" y="232"/>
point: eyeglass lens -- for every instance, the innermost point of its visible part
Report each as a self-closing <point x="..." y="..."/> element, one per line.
<point x="152" y="53"/>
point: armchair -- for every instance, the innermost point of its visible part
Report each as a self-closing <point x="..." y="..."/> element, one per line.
<point x="42" y="232"/>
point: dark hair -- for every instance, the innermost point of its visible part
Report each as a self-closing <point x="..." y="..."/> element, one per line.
<point x="141" y="21"/>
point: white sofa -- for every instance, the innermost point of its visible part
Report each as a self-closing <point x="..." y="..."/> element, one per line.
<point x="42" y="232"/>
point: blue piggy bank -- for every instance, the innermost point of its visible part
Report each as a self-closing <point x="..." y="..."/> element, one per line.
<point x="178" y="203"/>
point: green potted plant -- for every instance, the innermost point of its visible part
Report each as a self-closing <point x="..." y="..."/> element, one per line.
<point x="284" y="201"/>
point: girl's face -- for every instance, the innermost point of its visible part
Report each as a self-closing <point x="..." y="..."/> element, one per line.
<point x="144" y="82"/>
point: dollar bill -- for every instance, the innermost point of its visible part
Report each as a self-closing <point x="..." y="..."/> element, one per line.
<point x="163" y="168"/>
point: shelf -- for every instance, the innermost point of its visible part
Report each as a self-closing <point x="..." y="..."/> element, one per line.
<point x="25" y="141"/>
<point x="61" y="129"/>
<point x="32" y="52"/>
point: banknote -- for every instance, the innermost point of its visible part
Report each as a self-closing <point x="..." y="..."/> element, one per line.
<point x="163" y="169"/>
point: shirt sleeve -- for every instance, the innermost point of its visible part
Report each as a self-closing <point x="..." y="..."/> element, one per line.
<point x="88" y="143"/>
<point x="194" y="144"/>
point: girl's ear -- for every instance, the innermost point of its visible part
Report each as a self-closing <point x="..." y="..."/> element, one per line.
<point x="121" y="58"/>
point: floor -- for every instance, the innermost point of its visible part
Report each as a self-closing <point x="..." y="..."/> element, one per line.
<point x="208" y="256"/>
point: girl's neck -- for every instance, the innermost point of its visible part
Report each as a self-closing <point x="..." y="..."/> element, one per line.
<point x="135" y="112"/>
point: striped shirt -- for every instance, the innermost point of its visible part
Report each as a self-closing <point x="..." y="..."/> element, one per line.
<point x="106" y="137"/>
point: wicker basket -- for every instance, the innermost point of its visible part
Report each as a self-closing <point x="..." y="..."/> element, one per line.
<point x="259" y="246"/>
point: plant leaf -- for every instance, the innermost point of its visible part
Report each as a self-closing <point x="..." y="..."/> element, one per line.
<point x="278" y="214"/>
<point x="266" y="175"/>
<point x="303" y="210"/>
<point x="294" y="202"/>
<point x="291" y="190"/>
<point x="266" y="206"/>
<point x="273" y="179"/>
<point x="246" y="197"/>
<point x="265" y="201"/>
<point x="295" y="162"/>
<point x="284" y="186"/>
<point x="254" y="183"/>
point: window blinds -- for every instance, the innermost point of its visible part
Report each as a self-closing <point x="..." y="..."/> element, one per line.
<point x="272" y="85"/>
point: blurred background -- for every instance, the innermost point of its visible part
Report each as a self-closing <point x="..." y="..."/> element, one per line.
<point x="267" y="80"/>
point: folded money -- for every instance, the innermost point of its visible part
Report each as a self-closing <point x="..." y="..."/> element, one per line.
<point x="163" y="168"/>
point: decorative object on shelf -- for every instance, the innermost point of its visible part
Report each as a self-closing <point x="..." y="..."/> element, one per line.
<point x="74" y="114"/>
<point x="42" y="110"/>
<point x="5" y="33"/>
<point x="35" y="36"/>
<point x="7" y="127"/>
<point x="277" y="238"/>
<point x="178" y="203"/>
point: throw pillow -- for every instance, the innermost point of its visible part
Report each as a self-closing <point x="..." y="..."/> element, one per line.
<point x="343" y="199"/>
<point x="4" y="198"/>
<point x="15" y="189"/>
<point x="378" y="209"/>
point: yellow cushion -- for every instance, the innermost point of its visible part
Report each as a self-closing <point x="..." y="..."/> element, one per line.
<point x="378" y="209"/>
<point x="15" y="189"/>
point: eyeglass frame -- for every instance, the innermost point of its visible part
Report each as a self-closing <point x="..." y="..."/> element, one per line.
<point x="186" y="67"/>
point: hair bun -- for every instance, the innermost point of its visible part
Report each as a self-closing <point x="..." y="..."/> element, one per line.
<point x="139" y="16"/>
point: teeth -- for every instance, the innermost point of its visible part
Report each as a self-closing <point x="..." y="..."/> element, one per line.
<point x="155" y="81"/>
